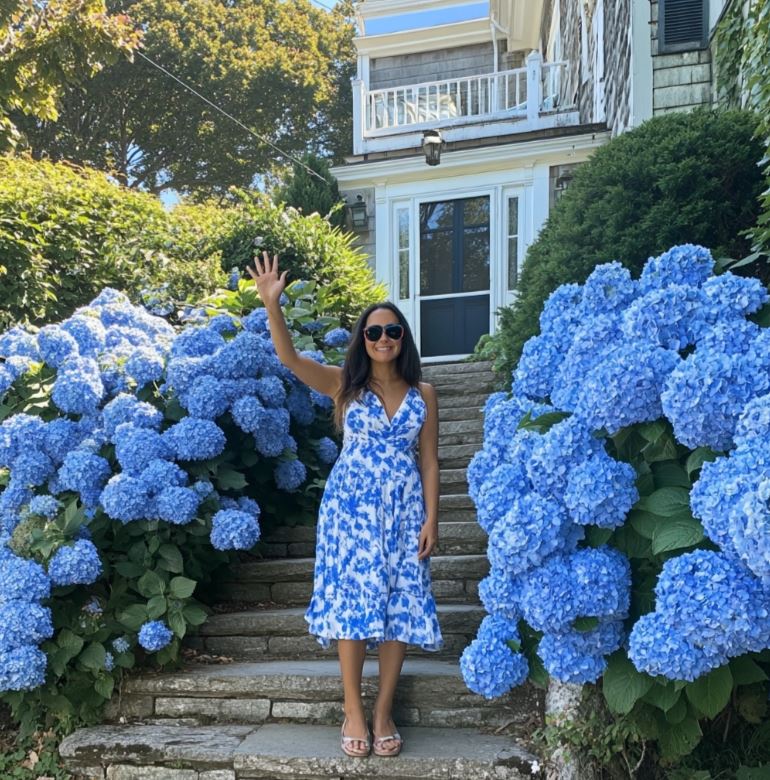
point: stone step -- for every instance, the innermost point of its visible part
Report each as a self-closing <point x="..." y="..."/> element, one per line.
<point x="457" y="365"/>
<point x="473" y="400"/>
<point x="457" y="456"/>
<point x="460" y="431"/>
<point x="291" y="751"/>
<point x="458" y="535"/>
<point x="281" y="633"/>
<point x="453" y="480"/>
<point x="461" y="413"/>
<point x="301" y="569"/>
<point x="430" y="692"/>
<point x="465" y="385"/>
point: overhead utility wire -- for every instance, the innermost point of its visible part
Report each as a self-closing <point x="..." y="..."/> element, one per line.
<point x="238" y="122"/>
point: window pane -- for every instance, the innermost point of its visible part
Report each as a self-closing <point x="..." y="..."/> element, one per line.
<point x="436" y="263"/>
<point x="476" y="259"/>
<point x="513" y="216"/>
<point x="513" y="243"/>
<point x="403" y="229"/>
<point x="437" y="216"/>
<point x="513" y="263"/>
<point x="403" y="273"/>
<point x="476" y="211"/>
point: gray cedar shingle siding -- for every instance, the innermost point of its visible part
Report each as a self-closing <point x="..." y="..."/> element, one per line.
<point x="617" y="68"/>
<point x="437" y="65"/>
<point x="680" y="81"/>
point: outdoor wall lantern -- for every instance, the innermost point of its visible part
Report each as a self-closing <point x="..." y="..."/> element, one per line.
<point x="432" y="142"/>
<point x="358" y="216"/>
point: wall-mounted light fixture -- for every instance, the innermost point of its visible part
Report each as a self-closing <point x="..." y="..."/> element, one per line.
<point x="358" y="216"/>
<point x="432" y="143"/>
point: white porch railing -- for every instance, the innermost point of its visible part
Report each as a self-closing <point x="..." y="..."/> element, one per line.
<point x="522" y="92"/>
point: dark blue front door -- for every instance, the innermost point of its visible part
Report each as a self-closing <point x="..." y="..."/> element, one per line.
<point x="454" y="275"/>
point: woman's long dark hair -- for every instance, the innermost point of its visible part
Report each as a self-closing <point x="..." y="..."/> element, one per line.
<point x="357" y="366"/>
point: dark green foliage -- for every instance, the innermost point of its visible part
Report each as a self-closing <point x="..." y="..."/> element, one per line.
<point x="308" y="194"/>
<point x="65" y="233"/>
<point x="678" y="178"/>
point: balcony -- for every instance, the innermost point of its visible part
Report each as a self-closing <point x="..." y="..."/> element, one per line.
<point x="518" y="100"/>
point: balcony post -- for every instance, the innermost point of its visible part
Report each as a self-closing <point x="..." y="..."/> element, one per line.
<point x="359" y="120"/>
<point x="534" y="85"/>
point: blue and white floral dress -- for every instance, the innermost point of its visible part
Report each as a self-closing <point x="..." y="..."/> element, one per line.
<point x="368" y="583"/>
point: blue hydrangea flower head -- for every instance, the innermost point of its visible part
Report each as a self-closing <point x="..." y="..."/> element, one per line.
<point x="125" y="498"/>
<point x="17" y="342"/>
<point x="300" y="406"/>
<point x="270" y="437"/>
<point x="688" y="264"/>
<point x="327" y="450"/>
<point x="195" y="342"/>
<point x="207" y="398"/>
<point x="270" y="391"/>
<point x="601" y="491"/>
<point x="177" y="505"/>
<point x="337" y="337"/>
<point x="56" y="345"/>
<point x="256" y="321"/>
<point x="22" y="668"/>
<point x="145" y="365"/>
<point x="154" y="635"/>
<point x="78" y="388"/>
<point x="499" y="593"/>
<point x="76" y="564"/>
<point x="609" y="287"/>
<point x="44" y="506"/>
<point x="234" y="529"/>
<point x="490" y="668"/>
<point x="24" y="623"/>
<point x="22" y="579"/>
<point x="290" y="474"/>
<point x="88" y="332"/>
<point x="195" y="439"/>
<point x="136" y="448"/>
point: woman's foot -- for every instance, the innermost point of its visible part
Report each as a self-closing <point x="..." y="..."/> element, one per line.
<point x="387" y="740"/>
<point x="351" y="742"/>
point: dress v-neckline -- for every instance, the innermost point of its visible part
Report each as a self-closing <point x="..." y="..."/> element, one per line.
<point x="385" y="411"/>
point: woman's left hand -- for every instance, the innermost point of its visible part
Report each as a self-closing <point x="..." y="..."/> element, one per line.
<point x="428" y="539"/>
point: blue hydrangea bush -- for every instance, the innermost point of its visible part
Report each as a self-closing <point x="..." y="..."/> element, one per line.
<point x="624" y="483"/>
<point x="135" y="459"/>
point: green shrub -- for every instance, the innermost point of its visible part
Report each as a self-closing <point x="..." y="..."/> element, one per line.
<point x="308" y="194"/>
<point x="308" y="246"/>
<point x="65" y="233"/>
<point x="677" y="178"/>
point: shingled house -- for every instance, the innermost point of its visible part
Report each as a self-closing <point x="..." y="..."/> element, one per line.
<point x="512" y="94"/>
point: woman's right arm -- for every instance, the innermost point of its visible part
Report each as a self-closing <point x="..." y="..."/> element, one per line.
<point x="325" y="379"/>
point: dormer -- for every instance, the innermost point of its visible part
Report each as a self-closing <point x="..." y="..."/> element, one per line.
<point x="469" y="69"/>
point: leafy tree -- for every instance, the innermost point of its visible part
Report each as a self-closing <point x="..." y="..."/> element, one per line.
<point x="276" y="65"/>
<point x="309" y="194"/>
<point x="48" y="47"/>
<point x="677" y="178"/>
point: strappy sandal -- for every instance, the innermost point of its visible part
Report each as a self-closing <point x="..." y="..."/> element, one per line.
<point x="379" y="741"/>
<point x="345" y="743"/>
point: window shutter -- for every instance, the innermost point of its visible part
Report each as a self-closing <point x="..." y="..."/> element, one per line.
<point x="681" y="24"/>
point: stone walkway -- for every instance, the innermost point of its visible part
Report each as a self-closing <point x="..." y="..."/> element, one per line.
<point x="275" y="711"/>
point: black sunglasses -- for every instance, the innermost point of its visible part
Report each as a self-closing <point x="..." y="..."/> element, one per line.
<point x="374" y="332"/>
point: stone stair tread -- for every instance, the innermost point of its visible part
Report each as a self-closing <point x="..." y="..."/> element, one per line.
<point x="244" y="677"/>
<point x="292" y="619"/>
<point x="290" y="569"/>
<point x="289" y="750"/>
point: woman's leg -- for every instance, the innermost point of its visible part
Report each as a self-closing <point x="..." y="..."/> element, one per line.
<point x="352" y="653"/>
<point x="391" y="656"/>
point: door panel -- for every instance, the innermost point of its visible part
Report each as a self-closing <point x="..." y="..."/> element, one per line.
<point x="453" y="326"/>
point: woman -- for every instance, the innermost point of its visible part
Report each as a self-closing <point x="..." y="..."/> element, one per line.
<point x="378" y="519"/>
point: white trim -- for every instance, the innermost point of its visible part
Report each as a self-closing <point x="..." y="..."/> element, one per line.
<point x="456" y="295"/>
<point x="444" y="358"/>
<point x="499" y="158"/>
<point x="375" y="8"/>
<point x="442" y="36"/>
<point x="641" y="66"/>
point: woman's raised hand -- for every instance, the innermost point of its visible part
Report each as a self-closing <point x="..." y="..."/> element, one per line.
<point x="266" y="277"/>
